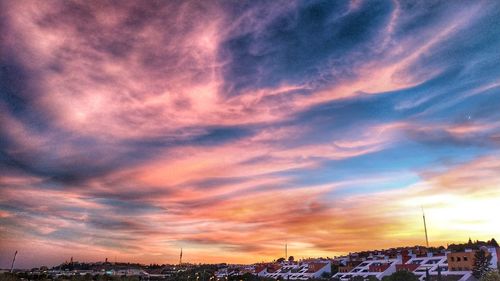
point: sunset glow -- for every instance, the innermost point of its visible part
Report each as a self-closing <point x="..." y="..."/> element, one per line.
<point x="131" y="129"/>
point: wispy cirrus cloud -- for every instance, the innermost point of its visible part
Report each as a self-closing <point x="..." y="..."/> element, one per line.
<point x="225" y="128"/>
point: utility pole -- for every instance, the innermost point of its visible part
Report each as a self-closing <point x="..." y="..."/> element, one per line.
<point x="13" y="260"/>
<point x="286" y="251"/>
<point x="425" y="229"/>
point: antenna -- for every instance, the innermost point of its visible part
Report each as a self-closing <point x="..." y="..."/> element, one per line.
<point x="286" y="251"/>
<point x="13" y="260"/>
<point x="425" y="228"/>
<point x="180" y="258"/>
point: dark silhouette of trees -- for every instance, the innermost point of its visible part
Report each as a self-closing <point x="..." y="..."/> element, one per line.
<point x="481" y="263"/>
<point x="491" y="276"/>
<point x="476" y="245"/>
<point x="401" y="275"/>
<point x="280" y="260"/>
<point x="334" y="268"/>
<point x="9" y="277"/>
<point x="494" y="243"/>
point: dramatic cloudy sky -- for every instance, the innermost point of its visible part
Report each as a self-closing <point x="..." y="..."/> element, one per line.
<point x="130" y="129"/>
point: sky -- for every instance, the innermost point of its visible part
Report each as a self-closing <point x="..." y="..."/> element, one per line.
<point x="132" y="129"/>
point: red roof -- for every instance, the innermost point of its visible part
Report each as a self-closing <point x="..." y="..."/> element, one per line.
<point x="408" y="267"/>
<point x="315" y="266"/>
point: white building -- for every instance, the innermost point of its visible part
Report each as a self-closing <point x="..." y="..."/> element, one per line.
<point x="420" y="265"/>
<point x="378" y="268"/>
<point x="301" y="270"/>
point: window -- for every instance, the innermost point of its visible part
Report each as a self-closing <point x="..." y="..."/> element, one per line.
<point x="458" y="259"/>
<point x="452" y="258"/>
<point x="465" y="258"/>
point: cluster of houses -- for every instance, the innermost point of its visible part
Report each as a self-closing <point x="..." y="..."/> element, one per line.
<point x="111" y="272"/>
<point x="457" y="265"/>
<point x="69" y="269"/>
<point x="453" y="263"/>
<point x="286" y="270"/>
<point x="423" y="262"/>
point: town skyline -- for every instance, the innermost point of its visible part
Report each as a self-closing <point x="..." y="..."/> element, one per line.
<point x="132" y="129"/>
<point x="463" y="261"/>
<point x="115" y="260"/>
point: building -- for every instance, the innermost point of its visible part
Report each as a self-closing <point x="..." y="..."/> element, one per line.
<point x="461" y="261"/>
<point x="301" y="271"/>
<point x="378" y="268"/>
<point x="434" y="264"/>
<point x="464" y="261"/>
<point x="266" y="268"/>
<point x="348" y="266"/>
<point x="238" y="270"/>
<point x="455" y="265"/>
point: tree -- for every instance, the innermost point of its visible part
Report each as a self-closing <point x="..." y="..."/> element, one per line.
<point x="494" y="243"/>
<point x="357" y="278"/>
<point x="481" y="264"/>
<point x="334" y="268"/>
<point x="401" y="275"/>
<point x="280" y="260"/>
<point x="372" y="278"/>
<point x="9" y="277"/>
<point x="491" y="276"/>
<point x="291" y="259"/>
<point x="325" y="275"/>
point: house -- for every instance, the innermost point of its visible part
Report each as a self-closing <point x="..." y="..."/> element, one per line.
<point x="461" y="261"/>
<point x="434" y="264"/>
<point x="301" y="271"/>
<point x="378" y="267"/>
